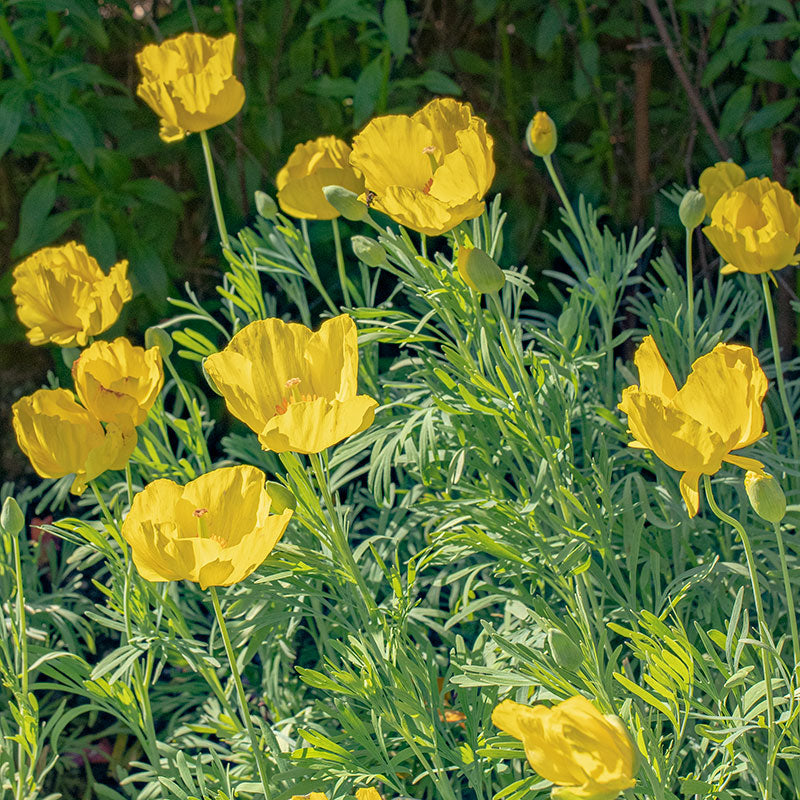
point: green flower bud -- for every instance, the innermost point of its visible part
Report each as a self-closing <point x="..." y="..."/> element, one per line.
<point x="346" y="203"/>
<point x="692" y="209"/>
<point x="565" y="651"/>
<point x="69" y="354"/>
<point x="541" y="135"/>
<point x="281" y="498"/>
<point x="368" y="250"/>
<point x="11" y="517"/>
<point x="766" y="496"/>
<point x="568" y="323"/>
<point x="479" y="270"/>
<point x="158" y="337"/>
<point x="265" y="205"/>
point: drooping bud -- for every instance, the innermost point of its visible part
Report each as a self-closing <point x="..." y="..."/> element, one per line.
<point x="346" y="203"/>
<point x="368" y="250"/>
<point x="479" y="270"/>
<point x="541" y="135"/>
<point x="766" y="496"/>
<point x="158" y="337"/>
<point x="281" y="498"/>
<point x="12" y="519"/>
<point x="265" y="205"/>
<point x="565" y="651"/>
<point x="692" y="209"/>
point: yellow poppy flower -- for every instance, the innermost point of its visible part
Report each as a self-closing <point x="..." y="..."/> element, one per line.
<point x="310" y="796"/>
<point x="312" y="166"/>
<point x="428" y="171"/>
<point x="295" y="388"/>
<point x="542" y="135"/>
<point x="118" y="382"/>
<point x="64" y="297"/>
<point x="584" y="753"/>
<point x="60" y="437"/>
<point x="694" y="429"/>
<point x="718" y="179"/>
<point x="189" y="82"/>
<point x="214" y="531"/>
<point x="755" y="227"/>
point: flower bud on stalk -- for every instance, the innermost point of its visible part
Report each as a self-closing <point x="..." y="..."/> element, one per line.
<point x="692" y="209"/>
<point x="565" y="651"/>
<point x="541" y="135"/>
<point x="158" y="337"/>
<point x="766" y="496"/>
<point x="479" y="270"/>
<point x="265" y="205"/>
<point x="346" y="203"/>
<point x="12" y="519"/>
<point x="368" y="250"/>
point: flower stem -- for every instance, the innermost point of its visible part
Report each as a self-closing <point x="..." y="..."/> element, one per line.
<point x="240" y="693"/>
<point x="339" y="537"/>
<point x="548" y="162"/>
<point x="776" y="351"/>
<point x="212" y="182"/>
<point x="787" y="586"/>
<point x="23" y="661"/>
<point x="337" y="240"/>
<point x="763" y="630"/>
<point x="690" y="292"/>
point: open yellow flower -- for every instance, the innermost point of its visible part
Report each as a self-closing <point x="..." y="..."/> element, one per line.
<point x="429" y="171"/>
<point x="312" y="166"/>
<point x="583" y="752"/>
<point x="755" y="227"/>
<point x="214" y="531"/>
<point x="118" y="382"/>
<point x="64" y="297"/>
<point x="189" y="82"/>
<point x="718" y="179"/>
<point x="297" y="389"/>
<point x="694" y="430"/>
<point x="61" y="437"/>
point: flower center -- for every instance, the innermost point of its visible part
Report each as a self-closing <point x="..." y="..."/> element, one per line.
<point x="294" y="396"/>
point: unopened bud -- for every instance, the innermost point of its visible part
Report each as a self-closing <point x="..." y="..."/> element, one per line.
<point x="281" y="498"/>
<point x="692" y="209"/>
<point x="346" y="203"/>
<point x="368" y="250"/>
<point x="479" y="270"/>
<point x="766" y="496"/>
<point x="158" y="337"/>
<point x="565" y="651"/>
<point x="11" y="517"/>
<point x="541" y="136"/>
<point x="265" y="205"/>
<point x="568" y="323"/>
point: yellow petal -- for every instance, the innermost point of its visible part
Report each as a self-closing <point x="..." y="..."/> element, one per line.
<point x="654" y="377"/>
<point x="715" y="181"/>
<point x="689" y="492"/>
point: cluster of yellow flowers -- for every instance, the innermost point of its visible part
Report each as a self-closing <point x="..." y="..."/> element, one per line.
<point x="297" y="389"/>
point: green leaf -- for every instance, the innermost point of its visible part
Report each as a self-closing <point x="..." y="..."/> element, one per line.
<point x="154" y="192"/>
<point x="734" y="111"/>
<point x="548" y="30"/>
<point x="99" y="239"/>
<point x="36" y="206"/>
<point x="770" y="116"/>
<point x="439" y="83"/>
<point x="70" y="123"/>
<point x="772" y="70"/>
<point x="395" y="20"/>
<point x="12" y="108"/>
<point x="367" y="90"/>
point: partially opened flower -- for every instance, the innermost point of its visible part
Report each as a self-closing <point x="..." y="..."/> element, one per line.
<point x="189" y="82"/>
<point x="718" y="179"/>
<point x="695" y="429"/>
<point x="429" y="171"/>
<point x="312" y="166"/>
<point x="117" y="381"/>
<point x="584" y="753"/>
<point x="214" y="531"/>
<point x="296" y="388"/>
<point x="61" y="437"/>
<point x="755" y="227"/>
<point x="64" y="297"/>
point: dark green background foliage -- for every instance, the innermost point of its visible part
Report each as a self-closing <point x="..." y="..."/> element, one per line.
<point x="81" y="157"/>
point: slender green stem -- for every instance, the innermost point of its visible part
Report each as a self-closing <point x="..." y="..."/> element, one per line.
<point x="339" y="537"/>
<point x="762" y="624"/>
<point x="248" y="722"/>
<point x="103" y="507"/>
<point x="690" y="293"/>
<point x="423" y="246"/>
<point x="212" y="182"/>
<point x="787" y="587"/>
<point x="13" y="45"/>
<point x="548" y="162"/>
<point x="129" y="483"/>
<point x="194" y="411"/>
<point x="776" y="352"/>
<point x="23" y="657"/>
<point x="337" y="240"/>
